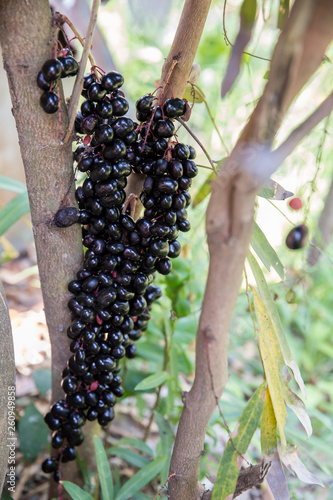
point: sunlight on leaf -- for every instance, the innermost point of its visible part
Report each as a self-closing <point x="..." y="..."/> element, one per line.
<point x="152" y="381"/>
<point x="76" y="492"/>
<point x="272" y="190"/>
<point x="228" y="471"/>
<point x="265" y="251"/>
<point x="141" y="478"/>
<point x="193" y="94"/>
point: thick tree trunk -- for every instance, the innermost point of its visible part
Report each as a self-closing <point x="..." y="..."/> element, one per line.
<point x="27" y="41"/>
<point x="7" y="390"/>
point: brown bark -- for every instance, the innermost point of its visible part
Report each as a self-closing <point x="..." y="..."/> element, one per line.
<point x="229" y="225"/>
<point x="27" y="38"/>
<point x="7" y="384"/>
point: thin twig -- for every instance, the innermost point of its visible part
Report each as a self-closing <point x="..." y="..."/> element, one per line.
<point x="198" y="142"/>
<point x="211" y="117"/>
<point x="277" y="208"/>
<point x="62" y="18"/>
<point x="164" y="485"/>
<point x="79" y="79"/>
<point x="229" y="42"/>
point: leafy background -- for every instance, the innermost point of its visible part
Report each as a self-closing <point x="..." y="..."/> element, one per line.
<point x="139" y="34"/>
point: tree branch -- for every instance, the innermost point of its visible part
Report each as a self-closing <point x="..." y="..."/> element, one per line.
<point x="184" y="48"/>
<point x="76" y="94"/>
<point x="229" y="223"/>
<point x="7" y="386"/>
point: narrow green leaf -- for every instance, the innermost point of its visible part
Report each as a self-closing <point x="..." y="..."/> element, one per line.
<point x="13" y="211"/>
<point x="5" y="496"/>
<point x="132" y="457"/>
<point x="12" y="185"/>
<point x="266" y="296"/>
<point x="33" y="433"/>
<point x="76" y="492"/>
<point x="42" y="379"/>
<point x="204" y="190"/>
<point x="166" y="442"/>
<point x="283" y="12"/>
<point x="228" y="471"/>
<point x="103" y="468"/>
<point x="141" y="478"/>
<point x="136" y="443"/>
<point x="265" y="251"/>
<point x="154" y="380"/>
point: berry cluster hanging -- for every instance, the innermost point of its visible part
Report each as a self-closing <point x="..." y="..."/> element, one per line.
<point x="113" y="292"/>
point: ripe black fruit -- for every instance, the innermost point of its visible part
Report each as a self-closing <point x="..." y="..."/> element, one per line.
<point x="297" y="238"/>
<point x="51" y="70"/>
<point x="49" y="102"/>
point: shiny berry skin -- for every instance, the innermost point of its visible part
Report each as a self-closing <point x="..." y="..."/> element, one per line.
<point x="104" y="108"/>
<point x="131" y="351"/>
<point x="174" y="107"/>
<point x="88" y="79"/>
<point x="296" y="203"/>
<point x="69" y="385"/>
<point x="119" y="106"/>
<point x="49" y="102"/>
<point x="51" y="70"/>
<point x="57" y="440"/>
<point x="50" y="465"/>
<point x="190" y="169"/>
<point x="68" y="454"/>
<point x="69" y="66"/>
<point x="143" y="105"/>
<point x="106" y="417"/>
<point x="182" y="151"/>
<point x="174" y="249"/>
<point x="96" y="92"/>
<point x="115" y="150"/>
<point x="87" y="107"/>
<point x="112" y="81"/>
<point x="193" y="153"/>
<point x="104" y="134"/>
<point x="164" y="128"/>
<point x="164" y="266"/>
<point x="52" y="422"/>
<point x="60" y="409"/>
<point x="298" y="237"/>
<point x="42" y="83"/>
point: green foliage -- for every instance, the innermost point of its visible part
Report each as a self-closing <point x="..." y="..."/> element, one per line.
<point x="43" y="380"/>
<point x="32" y="432"/>
<point x="13" y="211"/>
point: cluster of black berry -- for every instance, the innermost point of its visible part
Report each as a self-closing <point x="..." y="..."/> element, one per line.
<point x="113" y="292"/>
<point x="63" y="66"/>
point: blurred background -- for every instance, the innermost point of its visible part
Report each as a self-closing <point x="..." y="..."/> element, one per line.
<point x="134" y="37"/>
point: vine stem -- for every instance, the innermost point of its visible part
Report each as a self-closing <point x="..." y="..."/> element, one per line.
<point x="198" y="142"/>
<point x="79" y="78"/>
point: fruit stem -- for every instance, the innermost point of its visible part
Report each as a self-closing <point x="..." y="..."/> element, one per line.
<point x="198" y="142"/>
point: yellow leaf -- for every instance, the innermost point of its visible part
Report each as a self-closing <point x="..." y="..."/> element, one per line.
<point x="194" y="94"/>
<point x="268" y="427"/>
<point x="274" y="366"/>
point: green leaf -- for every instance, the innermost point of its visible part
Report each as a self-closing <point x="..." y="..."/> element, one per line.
<point x="5" y="496"/>
<point x="266" y="296"/>
<point x="13" y="211"/>
<point x="265" y="251"/>
<point x="76" y="492"/>
<point x="248" y="12"/>
<point x="103" y="468"/>
<point x="166" y="442"/>
<point x="204" y="190"/>
<point x="141" y="478"/>
<point x="43" y="380"/>
<point x="272" y="190"/>
<point x="154" y="380"/>
<point x="136" y="443"/>
<point x="283" y="12"/>
<point x="33" y="433"/>
<point x="193" y="93"/>
<point x="12" y="185"/>
<point x="132" y="457"/>
<point x="228" y="471"/>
